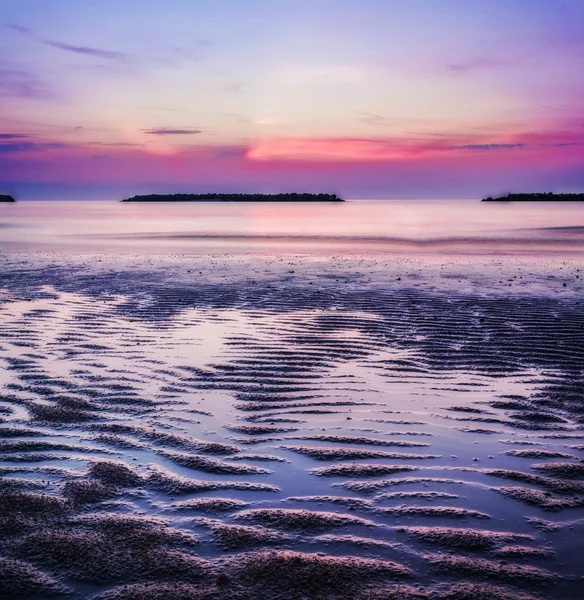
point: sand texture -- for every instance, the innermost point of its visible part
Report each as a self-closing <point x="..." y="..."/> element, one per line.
<point x="241" y="427"/>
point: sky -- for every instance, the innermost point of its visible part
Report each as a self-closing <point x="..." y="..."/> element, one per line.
<point x="371" y="99"/>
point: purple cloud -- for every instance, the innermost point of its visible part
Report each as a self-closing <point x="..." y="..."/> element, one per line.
<point x="374" y="119"/>
<point x="166" y="131"/>
<point x="487" y="146"/>
<point x="21" y="84"/>
<point x="14" y="148"/>
<point x="107" y="54"/>
<point x="476" y="64"/>
<point x="85" y="50"/>
<point x="13" y="136"/>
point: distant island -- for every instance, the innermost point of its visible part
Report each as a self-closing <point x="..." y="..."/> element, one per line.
<point x="234" y="198"/>
<point x="542" y="197"/>
<point x="6" y="198"/>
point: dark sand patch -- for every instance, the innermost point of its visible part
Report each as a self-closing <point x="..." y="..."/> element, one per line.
<point x="260" y="429"/>
<point x="464" y="539"/>
<point x="490" y="569"/>
<point x="114" y="548"/>
<point x="81" y="491"/>
<point x="303" y="575"/>
<point x="352" y="439"/>
<point x="520" y="442"/>
<point x="18" y="579"/>
<point x="538" y="454"/>
<point x="237" y="537"/>
<point x="323" y="453"/>
<point x="300" y="520"/>
<point x="370" y="487"/>
<point x="523" y="552"/>
<point x="21" y="510"/>
<point x="354" y="540"/>
<point x="465" y="409"/>
<point x="210" y="505"/>
<point x="173" y="440"/>
<point x="567" y="470"/>
<point x="115" y="474"/>
<point x="9" y="432"/>
<point x="160" y="591"/>
<point x="30" y="457"/>
<point x="555" y="485"/>
<point x="542" y="524"/>
<point x="262" y="457"/>
<point x="104" y="479"/>
<point x="288" y="576"/>
<point x="481" y="591"/>
<point x="165" y="591"/>
<point x="541" y="499"/>
<point x="175" y="484"/>
<point x="360" y="470"/>
<point x="51" y="413"/>
<point x="418" y="495"/>
<point x="11" y="484"/>
<point x="351" y="503"/>
<point x="211" y="465"/>
<point x="452" y="512"/>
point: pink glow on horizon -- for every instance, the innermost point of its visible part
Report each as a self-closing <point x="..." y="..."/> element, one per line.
<point x="292" y="164"/>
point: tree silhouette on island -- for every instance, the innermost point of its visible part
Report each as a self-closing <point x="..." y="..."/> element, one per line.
<point x="538" y="197"/>
<point x="6" y="198"/>
<point x="292" y="197"/>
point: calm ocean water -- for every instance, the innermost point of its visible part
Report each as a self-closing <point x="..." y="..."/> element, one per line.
<point x="422" y="227"/>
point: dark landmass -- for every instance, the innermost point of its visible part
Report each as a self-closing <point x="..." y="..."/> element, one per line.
<point x="543" y="197"/>
<point x="235" y="198"/>
<point x="6" y="198"/>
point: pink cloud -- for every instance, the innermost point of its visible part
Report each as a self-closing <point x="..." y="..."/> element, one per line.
<point x="343" y="149"/>
<point x="397" y="149"/>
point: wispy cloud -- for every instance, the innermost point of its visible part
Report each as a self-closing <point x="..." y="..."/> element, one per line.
<point x="487" y="146"/>
<point x="13" y="136"/>
<point x="18" y="147"/>
<point x="374" y="119"/>
<point x="116" y="144"/>
<point x="476" y="64"/>
<point x="84" y="50"/>
<point x="20" y="29"/>
<point x="234" y="87"/>
<point x="169" y="131"/>
<point x="17" y="83"/>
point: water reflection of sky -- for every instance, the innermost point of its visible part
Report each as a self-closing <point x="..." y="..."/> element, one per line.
<point x="407" y="226"/>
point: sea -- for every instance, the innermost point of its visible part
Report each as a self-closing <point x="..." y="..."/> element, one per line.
<point x="360" y="226"/>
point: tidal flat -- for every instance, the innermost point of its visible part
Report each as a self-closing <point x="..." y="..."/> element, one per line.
<point x="244" y="426"/>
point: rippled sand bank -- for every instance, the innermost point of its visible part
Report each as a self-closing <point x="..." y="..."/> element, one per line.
<point x="241" y="427"/>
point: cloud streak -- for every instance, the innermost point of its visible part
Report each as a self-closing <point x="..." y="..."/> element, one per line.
<point x="87" y="51"/>
<point x="84" y="50"/>
<point x="169" y="131"/>
<point x="15" y="83"/>
<point x="477" y="64"/>
<point x="487" y="146"/>
<point x="13" y="136"/>
<point x="19" y="147"/>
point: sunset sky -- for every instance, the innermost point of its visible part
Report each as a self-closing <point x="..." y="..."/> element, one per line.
<point x="368" y="98"/>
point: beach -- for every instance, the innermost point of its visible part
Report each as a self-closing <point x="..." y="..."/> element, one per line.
<point x="196" y="406"/>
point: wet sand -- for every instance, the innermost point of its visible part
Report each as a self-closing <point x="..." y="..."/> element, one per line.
<point x="243" y="426"/>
